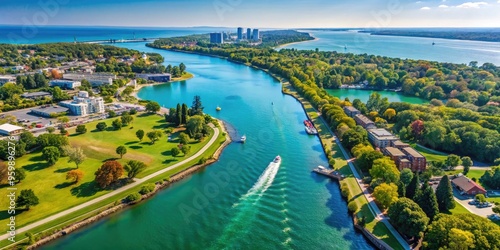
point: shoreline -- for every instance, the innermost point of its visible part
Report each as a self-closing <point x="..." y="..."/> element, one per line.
<point x="288" y="44"/>
<point x="140" y="86"/>
<point x="113" y="209"/>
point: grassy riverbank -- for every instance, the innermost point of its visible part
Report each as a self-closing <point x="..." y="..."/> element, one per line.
<point x="57" y="195"/>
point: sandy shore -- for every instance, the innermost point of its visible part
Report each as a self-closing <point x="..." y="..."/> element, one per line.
<point x="288" y="44"/>
<point x="140" y="86"/>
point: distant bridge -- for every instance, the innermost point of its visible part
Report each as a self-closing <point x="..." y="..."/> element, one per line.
<point x="112" y="41"/>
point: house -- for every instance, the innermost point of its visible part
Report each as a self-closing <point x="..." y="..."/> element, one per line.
<point x="6" y="79"/>
<point x="351" y="111"/>
<point x="467" y="186"/>
<point x="9" y="129"/>
<point x="418" y="161"/>
<point x="395" y="154"/>
<point x="364" y="121"/>
<point x="380" y="137"/>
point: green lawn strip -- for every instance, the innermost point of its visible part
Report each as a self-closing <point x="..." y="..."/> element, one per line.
<point x="459" y="209"/>
<point x="57" y="194"/>
<point x="430" y="155"/>
<point x="95" y="208"/>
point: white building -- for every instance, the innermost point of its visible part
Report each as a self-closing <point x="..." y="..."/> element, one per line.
<point x="96" y="79"/>
<point x="6" y="79"/>
<point x="9" y="129"/>
<point x="83" y="104"/>
<point x="65" y="84"/>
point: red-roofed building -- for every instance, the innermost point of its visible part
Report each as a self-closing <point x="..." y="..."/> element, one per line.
<point x="468" y="186"/>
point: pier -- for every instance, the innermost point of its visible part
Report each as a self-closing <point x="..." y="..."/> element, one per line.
<point x="329" y="173"/>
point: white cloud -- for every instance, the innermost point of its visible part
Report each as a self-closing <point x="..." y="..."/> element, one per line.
<point x="421" y="1"/>
<point x="471" y="5"/>
<point x="443" y="6"/>
<point x="425" y="8"/>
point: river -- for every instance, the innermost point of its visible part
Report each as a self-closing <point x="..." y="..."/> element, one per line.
<point x="230" y="205"/>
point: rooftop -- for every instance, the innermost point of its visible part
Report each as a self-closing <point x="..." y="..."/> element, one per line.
<point x="394" y="151"/>
<point x="50" y="109"/>
<point x="399" y="143"/>
<point x="466" y="184"/>
<point x="412" y="152"/>
<point x="35" y="94"/>
<point x="380" y="132"/>
<point x="351" y="108"/>
<point x="364" y="118"/>
<point x="9" y="127"/>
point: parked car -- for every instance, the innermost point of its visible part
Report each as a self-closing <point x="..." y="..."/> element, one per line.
<point x="493" y="217"/>
<point x="472" y="202"/>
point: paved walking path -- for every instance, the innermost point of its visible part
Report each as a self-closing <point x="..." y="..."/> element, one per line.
<point x="371" y="202"/>
<point x="138" y="182"/>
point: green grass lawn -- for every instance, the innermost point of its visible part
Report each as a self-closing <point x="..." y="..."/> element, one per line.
<point x="459" y="209"/>
<point x="56" y="194"/>
<point x="430" y="155"/>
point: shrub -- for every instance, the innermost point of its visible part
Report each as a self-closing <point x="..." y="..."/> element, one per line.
<point x="352" y="206"/>
<point x="133" y="198"/>
<point x="345" y="190"/>
<point x="202" y="160"/>
<point x="148" y="188"/>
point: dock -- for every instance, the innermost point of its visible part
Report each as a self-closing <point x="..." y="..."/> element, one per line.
<point x="329" y="173"/>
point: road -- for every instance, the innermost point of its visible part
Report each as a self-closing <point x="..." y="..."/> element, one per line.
<point x="138" y="182"/>
<point x="371" y="202"/>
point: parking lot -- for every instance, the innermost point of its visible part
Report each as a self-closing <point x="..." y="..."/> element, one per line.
<point x="465" y="199"/>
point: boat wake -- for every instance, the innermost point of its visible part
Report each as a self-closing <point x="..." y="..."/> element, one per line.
<point x="246" y="207"/>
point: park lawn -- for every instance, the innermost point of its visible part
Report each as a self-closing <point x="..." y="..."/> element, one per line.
<point x="476" y="174"/>
<point x="430" y="155"/>
<point x="57" y="194"/>
<point x="459" y="209"/>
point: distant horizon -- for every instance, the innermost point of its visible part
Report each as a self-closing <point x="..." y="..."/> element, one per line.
<point x="284" y="28"/>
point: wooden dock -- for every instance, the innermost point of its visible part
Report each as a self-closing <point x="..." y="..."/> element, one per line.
<point x="329" y="173"/>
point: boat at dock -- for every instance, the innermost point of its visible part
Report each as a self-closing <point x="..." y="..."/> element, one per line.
<point x="243" y="139"/>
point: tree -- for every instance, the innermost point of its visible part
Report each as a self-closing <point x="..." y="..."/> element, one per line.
<point x="51" y="155"/>
<point x="19" y="174"/>
<point x="491" y="178"/>
<point x="81" y="129"/>
<point x="467" y="163"/>
<point x="154" y="136"/>
<point x="184" y="113"/>
<point x="452" y="161"/>
<point x="27" y="199"/>
<point x="182" y="68"/>
<point x="417" y="128"/>
<point x="389" y="114"/>
<point x="496" y="209"/>
<point x="133" y="168"/>
<point x="140" y="134"/>
<point x="126" y="119"/>
<point x="50" y="130"/>
<point x="195" y="124"/>
<point x="101" y="126"/>
<point x="108" y="173"/>
<point x="117" y="124"/>
<point x="386" y="194"/>
<point x="75" y="155"/>
<point x="496" y="162"/>
<point x="332" y="162"/>
<point x="426" y="199"/>
<point x="385" y="169"/>
<point x="175" y="151"/>
<point x="184" y="138"/>
<point x="412" y="188"/>
<point x="480" y="197"/>
<point x="401" y="189"/>
<point x="121" y="150"/>
<point x="408" y="217"/>
<point x="460" y="239"/>
<point x="152" y="107"/>
<point x="197" y="107"/>
<point x="185" y="149"/>
<point x="366" y="159"/>
<point x="444" y="195"/>
<point x="133" y="198"/>
<point x="352" y="138"/>
<point x="28" y="138"/>
<point x="76" y="175"/>
<point x="406" y="176"/>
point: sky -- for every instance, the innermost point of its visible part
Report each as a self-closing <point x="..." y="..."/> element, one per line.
<point x="253" y="13"/>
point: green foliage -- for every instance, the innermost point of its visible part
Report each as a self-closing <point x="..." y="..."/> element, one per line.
<point x="197" y="107"/>
<point x="202" y="160"/>
<point x="121" y="150"/>
<point x="140" y="134"/>
<point x="467" y="163"/>
<point x="406" y="176"/>
<point x="426" y="199"/>
<point x="195" y="125"/>
<point x="27" y="199"/>
<point x="352" y="206"/>
<point x="51" y="155"/>
<point x="462" y="231"/>
<point x="385" y="169"/>
<point x="444" y="195"/>
<point x="148" y="188"/>
<point x="480" y="198"/>
<point x="154" y="136"/>
<point x="175" y="151"/>
<point x="491" y="178"/>
<point x="453" y="161"/>
<point x="101" y="126"/>
<point x="386" y="194"/>
<point x="19" y="174"/>
<point x="184" y="138"/>
<point x="117" y="124"/>
<point x="81" y="129"/>
<point x="408" y="217"/>
<point x="152" y="107"/>
<point x="134" y="168"/>
<point x="366" y="159"/>
<point x="412" y="188"/>
<point x="133" y="197"/>
<point x="126" y="119"/>
<point x="75" y="155"/>
<point x="185" y="149"/>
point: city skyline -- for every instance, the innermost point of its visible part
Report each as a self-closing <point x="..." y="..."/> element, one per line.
<point x="277" y="14"/>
